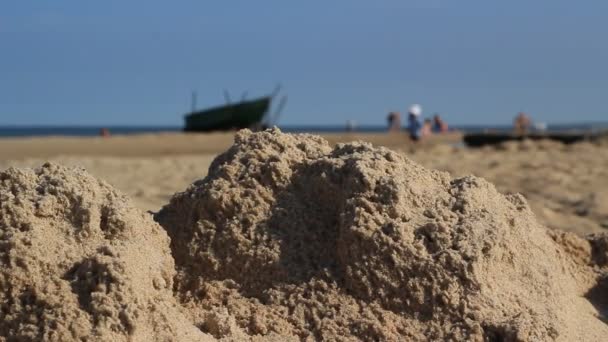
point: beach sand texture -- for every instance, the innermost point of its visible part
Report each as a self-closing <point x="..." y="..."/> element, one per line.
<point x="292" y="238"/>
<point x="566" y="186"/>
<point x="163" y="144"/>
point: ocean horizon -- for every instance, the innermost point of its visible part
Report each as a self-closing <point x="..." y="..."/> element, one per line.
<point x="94" y="130"/>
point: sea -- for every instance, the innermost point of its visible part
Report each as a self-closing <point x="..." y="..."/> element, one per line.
<point x="36" y="131"/>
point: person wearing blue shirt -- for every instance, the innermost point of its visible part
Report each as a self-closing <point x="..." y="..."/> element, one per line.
<point x="414" y="125"/>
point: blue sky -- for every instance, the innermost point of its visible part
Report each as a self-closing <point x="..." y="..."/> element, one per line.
<point x="135" y="62"/>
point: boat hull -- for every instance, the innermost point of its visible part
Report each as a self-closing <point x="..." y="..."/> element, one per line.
<point x="246" y="114"/>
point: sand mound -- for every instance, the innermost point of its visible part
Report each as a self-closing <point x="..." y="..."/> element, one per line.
<point x="78" y="263"/>
<point x="288" y="239"/>
<point x="289" y="236"/>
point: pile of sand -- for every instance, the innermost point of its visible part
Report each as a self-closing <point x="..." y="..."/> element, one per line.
<point x="288" y="238"/>
<point x="77" y="263"/>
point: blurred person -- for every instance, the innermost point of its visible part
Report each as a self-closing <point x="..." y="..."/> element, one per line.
<point x="394" y="121"/>
<point x="104" y="132"/>
<point x="522" y="123"/>
<point x="439" y="126"/>
<point x="414" y="126"/>
<point x="427" y="128"/>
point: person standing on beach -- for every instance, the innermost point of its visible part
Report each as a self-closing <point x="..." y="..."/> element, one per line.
<point x="522" y="123"/>
<point x="427" y="129"/>
<point x="439" y="126"/>
<point x="414" y="125"/>
<point x="394" y="122"/>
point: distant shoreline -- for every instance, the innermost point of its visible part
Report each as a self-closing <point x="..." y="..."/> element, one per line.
<point x="89" y="131"/>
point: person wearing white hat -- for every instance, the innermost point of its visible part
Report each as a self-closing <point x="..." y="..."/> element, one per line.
<point x="415" y="110"/>
<point x="414" y="125"/>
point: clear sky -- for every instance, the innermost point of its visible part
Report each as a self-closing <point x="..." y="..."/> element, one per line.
<point x="135" y="62"/>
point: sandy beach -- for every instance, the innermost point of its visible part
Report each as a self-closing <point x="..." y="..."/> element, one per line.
<point x="150" y="168"/>
<point x="168" y="144"/>
<point x="452" y="184"/>
<point x="277" y="237"/>
<point x="566" y="185"/>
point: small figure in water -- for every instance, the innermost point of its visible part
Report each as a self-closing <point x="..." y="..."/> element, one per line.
<point x="439" y="126"/>
<point x="414" y="126"/>
<point x="394" y="122"/>
<point x="104" y="132"/>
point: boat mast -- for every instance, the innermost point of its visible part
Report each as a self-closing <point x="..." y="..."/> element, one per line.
<point x="193" y="101"/>
<point x="227" y="96"/>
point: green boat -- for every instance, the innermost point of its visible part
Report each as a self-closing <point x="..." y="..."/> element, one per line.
<point x="244" y="114"/>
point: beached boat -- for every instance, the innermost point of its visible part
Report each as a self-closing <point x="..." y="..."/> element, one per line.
<point x="244" y="114"/>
